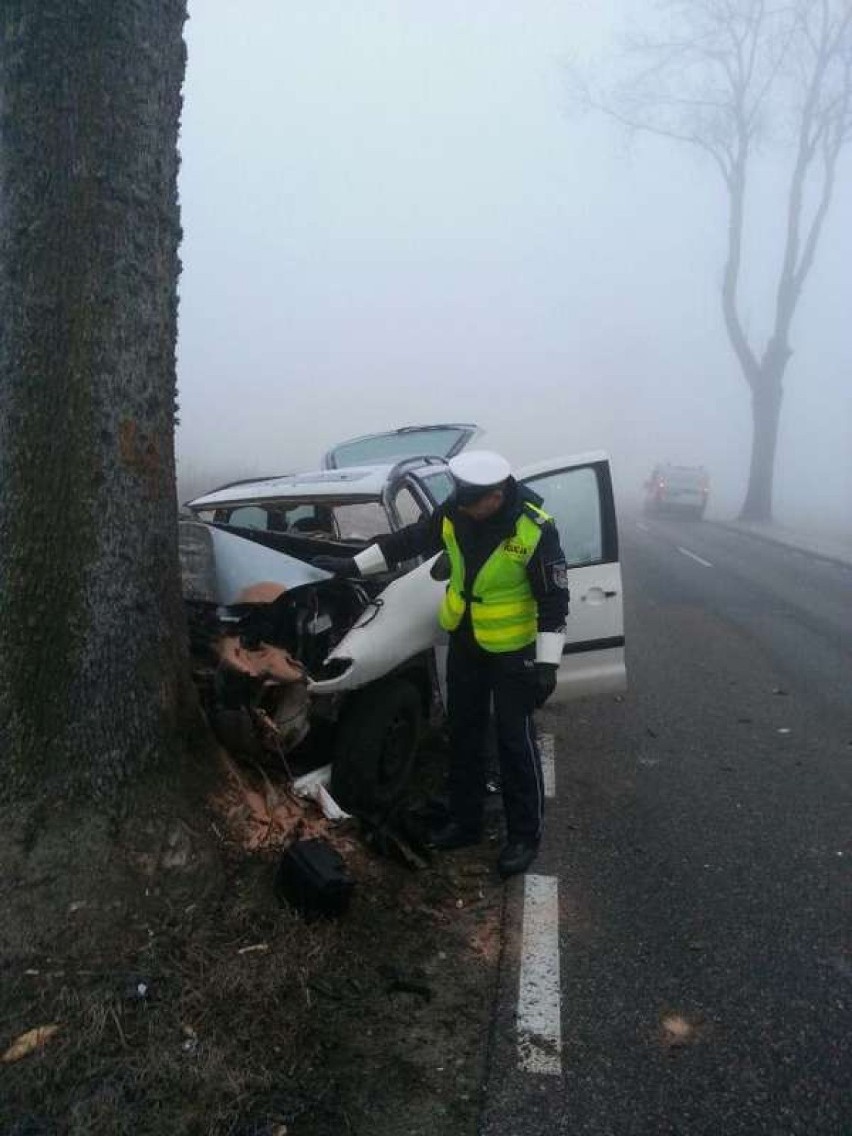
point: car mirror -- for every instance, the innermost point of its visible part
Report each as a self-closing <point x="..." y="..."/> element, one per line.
<point x="440" y="570"/>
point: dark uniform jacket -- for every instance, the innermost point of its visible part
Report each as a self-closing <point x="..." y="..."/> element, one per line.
<point x="478" y="539"/>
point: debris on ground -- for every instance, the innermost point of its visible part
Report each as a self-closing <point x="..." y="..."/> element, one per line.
<point x="137" y="990"/>
<point x="314" y="786"/>
<point x="262" y="814"/>
<point x="312" y="878"/>
<point x="678" y="1031"/>
<point x="29" y="1042"/>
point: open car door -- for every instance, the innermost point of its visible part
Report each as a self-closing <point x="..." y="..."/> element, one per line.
<point x="577" y="492"/>
<point x="396" y="445"/>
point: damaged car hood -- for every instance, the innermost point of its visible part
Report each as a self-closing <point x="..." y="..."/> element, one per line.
<point x="217" y="566"/>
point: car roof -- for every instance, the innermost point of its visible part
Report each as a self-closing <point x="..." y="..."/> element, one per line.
<point x="674" y="465"/>
<point x="355" y="482"/>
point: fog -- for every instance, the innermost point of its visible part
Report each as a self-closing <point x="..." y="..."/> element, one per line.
<point x="392" y="216"/>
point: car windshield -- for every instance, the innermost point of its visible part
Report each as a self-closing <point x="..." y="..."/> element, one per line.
<point x="319" y="518"/>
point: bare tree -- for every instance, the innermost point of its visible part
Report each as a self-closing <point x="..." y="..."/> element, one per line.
<point x="732" y="78"/>
<point x="93" y="672"/>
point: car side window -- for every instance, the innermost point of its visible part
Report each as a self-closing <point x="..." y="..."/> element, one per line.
<point x="314" y="520"/>
<point x="249" y="517"/>
<point x="361" y="520"/>
<point x="572" y="497"/>
<point x="440" y="485"/>
<point x="269" y="518"/>
<point x="407" y="506"/>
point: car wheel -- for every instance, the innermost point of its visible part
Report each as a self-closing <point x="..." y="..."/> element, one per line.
<point x="375" y="747"/>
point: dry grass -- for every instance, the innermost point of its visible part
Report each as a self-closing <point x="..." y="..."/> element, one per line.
<point x="252" y="1019"/>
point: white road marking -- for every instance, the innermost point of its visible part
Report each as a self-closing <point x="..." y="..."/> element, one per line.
<point x="539" y="1002"/>
<point x="548" y="763"/>
<point x="692" y="556"/>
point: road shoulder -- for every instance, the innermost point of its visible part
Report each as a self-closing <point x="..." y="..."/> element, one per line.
<point x="834" y="550"/>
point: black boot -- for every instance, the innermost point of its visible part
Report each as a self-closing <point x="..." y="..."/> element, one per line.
<point x="516" y="857"/>
<point x="452" y="835"/>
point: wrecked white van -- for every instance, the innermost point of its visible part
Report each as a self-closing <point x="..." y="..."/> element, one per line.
<point x="292" y="659"/>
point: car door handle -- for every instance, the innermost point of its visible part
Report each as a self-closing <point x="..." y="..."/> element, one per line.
<point x="597" y="595"/>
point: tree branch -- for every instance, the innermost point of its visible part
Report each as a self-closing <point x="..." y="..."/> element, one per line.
<point x="815" y="126"/>
<point x="691" y="138"/>
<point x="812" y="239"/>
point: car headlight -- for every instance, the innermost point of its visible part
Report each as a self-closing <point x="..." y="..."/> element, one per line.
<point x="331" y="669"/>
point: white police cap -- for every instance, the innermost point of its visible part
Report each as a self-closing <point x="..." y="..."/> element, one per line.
<point x="480" y="469"/>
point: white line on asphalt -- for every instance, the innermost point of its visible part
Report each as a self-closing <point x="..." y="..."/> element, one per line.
<point x="548" y="763"/>
<point x="539" y="1018"/>
<point x="692" y="556"/>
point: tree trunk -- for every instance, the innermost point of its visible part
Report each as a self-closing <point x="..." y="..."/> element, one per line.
<point x="92" y="657"/>
<point x="766" y="398"/>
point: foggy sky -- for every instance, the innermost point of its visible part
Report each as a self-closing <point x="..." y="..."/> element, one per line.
<point x="391" y="216"/>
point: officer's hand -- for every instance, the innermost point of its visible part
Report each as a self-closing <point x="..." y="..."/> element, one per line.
<point x="337" y="565"/>
<point x="545" y="683"/>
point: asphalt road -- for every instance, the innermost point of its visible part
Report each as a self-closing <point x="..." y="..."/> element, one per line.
<point x="701" y="840"/>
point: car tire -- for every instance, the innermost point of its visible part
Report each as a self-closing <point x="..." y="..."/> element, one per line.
<point x="375" y="747"/>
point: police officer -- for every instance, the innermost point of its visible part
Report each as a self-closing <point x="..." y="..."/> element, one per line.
<point x="505" y="608"/>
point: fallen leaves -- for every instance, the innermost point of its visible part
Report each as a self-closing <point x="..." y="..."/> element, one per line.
<point x="678" y="1031"/>
<point x="29" y="1042"/>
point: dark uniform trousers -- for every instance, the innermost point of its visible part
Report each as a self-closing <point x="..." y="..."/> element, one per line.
<point x="473" y="677"/>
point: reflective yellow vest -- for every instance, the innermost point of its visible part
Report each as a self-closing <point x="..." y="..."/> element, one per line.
<point x="504" y="613"/>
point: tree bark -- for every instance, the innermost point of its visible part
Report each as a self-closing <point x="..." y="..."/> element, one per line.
<point x="766" y="398"/>
<point x="93" y="675"/>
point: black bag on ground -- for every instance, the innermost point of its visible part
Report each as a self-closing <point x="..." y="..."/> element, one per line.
<point x="312" y="877"/>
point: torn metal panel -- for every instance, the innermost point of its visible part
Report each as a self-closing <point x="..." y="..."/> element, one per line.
<point x="314" y="786"/>
<point x="264" y="661"/>
<point x="218" y="566"/>
<point x="305" y="785"/>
